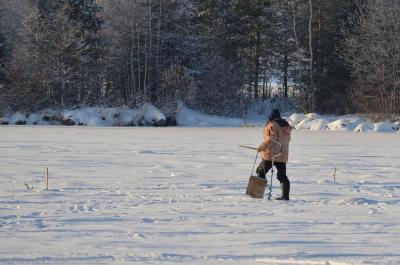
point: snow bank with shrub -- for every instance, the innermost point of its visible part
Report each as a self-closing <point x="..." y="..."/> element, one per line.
<point x="299" y="121"/>
<point x="315" y="122"/>
<point x="310" y="121"/>
<point x="149" y="115"/>
<point x="188" y="117"/>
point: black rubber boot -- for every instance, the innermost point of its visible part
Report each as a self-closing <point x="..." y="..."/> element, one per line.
<point x="285" y="187"/>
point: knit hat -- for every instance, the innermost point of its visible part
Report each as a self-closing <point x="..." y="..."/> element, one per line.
<point x="275" y="114"/>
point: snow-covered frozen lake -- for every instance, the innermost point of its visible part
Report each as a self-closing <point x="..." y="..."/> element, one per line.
<point x="176" y="196"/>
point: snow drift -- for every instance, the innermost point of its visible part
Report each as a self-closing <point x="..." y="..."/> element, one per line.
<point x="149" y="115"/>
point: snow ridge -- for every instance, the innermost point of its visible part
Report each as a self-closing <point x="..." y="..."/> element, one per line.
<point x="149" y="115"/>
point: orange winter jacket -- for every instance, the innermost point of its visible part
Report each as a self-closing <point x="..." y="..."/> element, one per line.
<point x="276" y="141"/>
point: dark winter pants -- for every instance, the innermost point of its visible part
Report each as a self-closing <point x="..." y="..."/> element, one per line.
<point x="266" y="165"/>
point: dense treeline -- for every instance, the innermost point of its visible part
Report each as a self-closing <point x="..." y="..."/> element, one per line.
<point x="215" y="55"/>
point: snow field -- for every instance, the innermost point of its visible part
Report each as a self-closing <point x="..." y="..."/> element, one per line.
<point x="176" y="196"/>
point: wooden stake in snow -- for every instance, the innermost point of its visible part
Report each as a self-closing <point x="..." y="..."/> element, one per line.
<point x="47" y="178"/>
<point x="334" y="175"/>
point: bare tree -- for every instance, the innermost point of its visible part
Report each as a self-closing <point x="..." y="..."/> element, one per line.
<point x="176" y="86"/>
<point x="219" y="89"/>
<point x="20" y="90"/>
<point x="373" y="50"/>
<point x="310" y="43"/>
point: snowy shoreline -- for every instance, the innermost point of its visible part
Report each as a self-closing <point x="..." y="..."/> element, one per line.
<point x="149" y="115"/>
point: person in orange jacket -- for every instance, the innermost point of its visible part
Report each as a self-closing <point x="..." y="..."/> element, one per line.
<point x="275" y="150"/>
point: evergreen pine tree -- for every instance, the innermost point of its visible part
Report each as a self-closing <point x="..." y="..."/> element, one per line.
<point x="332" y="75"/>
<point x="2" y="59"/>
<point x="250" y="28"/>
<point x="84" y="16"/>
<point x="69" y="50"/>
<point x="2" y="51"/>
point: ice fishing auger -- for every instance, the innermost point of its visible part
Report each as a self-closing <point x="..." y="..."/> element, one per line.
<point x="272" y="168"/>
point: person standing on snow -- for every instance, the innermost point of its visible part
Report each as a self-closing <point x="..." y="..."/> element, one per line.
<point x="275" y="147"/>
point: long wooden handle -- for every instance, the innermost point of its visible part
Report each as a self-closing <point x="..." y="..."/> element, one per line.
<point x="248" y="147"/>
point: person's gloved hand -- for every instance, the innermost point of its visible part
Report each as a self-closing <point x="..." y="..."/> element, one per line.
<point x="260" y="148"/>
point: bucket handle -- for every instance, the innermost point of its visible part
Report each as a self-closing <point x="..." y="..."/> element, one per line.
<point x="255" y="160"/>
